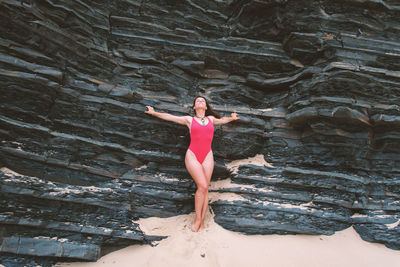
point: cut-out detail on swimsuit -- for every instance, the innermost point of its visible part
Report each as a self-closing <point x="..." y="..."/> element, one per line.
<point x="200" y="139"/>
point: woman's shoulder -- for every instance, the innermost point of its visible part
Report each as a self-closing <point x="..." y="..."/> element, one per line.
<point x="188" y="118"/>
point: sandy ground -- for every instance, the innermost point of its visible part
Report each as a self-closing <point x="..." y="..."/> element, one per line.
<point x="216" y="246"/>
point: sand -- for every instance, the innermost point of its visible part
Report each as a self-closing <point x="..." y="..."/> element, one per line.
<point x="216" y="246"/>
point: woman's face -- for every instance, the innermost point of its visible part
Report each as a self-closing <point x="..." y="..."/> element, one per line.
<point x="200" y="103"/>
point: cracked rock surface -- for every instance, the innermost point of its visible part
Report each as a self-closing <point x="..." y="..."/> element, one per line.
<point x="316" y="85"/>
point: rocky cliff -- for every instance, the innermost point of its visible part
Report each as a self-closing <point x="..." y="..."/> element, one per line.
<point x="316" y="84"/>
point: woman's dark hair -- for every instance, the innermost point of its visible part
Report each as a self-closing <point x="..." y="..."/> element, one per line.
<point x="209" y="110"/>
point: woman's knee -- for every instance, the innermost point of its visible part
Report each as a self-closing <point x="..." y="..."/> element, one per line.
<point x="202" y="187"/>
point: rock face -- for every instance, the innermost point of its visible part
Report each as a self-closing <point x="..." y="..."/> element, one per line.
<point x="316" y="84"/>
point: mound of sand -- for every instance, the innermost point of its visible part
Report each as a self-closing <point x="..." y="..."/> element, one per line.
<point x="216" y="246"/>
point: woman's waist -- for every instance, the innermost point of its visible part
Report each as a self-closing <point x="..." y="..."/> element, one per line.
<point x="202" y="144"/>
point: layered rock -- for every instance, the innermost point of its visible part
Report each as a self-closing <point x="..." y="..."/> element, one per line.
<point x="316" y="86"/>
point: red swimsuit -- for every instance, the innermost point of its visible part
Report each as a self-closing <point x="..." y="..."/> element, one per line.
<point x="201" y="137"/>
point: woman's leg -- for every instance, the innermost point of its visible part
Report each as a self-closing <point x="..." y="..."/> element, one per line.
<point x="195" y="169"/>
<point x="208" y="167"/>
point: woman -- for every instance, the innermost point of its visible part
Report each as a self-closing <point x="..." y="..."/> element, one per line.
<point x="199" y="160"/>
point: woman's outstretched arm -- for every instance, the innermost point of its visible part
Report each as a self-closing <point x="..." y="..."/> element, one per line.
<point x="224" y="120"/>
<point x="184" y="120"/>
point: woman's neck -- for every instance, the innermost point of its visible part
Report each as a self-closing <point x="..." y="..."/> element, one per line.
<point x="200" y="113"/>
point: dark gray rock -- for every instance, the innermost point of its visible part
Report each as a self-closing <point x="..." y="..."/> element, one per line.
<point x="316" y="86"/>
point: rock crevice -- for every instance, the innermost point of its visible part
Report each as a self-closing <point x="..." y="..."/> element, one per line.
<point x="316" y="86"/>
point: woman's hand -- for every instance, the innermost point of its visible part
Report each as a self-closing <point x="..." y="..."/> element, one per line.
<point x="149" y="110"/>
<point x="234" y="116"/>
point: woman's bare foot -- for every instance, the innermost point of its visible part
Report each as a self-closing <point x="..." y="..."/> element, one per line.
<point x="202" y="227"/>
<point x="196" y="226"/>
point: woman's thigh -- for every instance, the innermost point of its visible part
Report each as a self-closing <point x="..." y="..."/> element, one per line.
<point x="195" y="169"/>
<point x="208" y="166"/>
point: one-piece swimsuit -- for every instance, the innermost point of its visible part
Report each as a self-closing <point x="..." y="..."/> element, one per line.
<point x="201" y="137"/>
